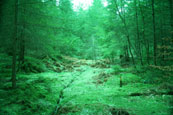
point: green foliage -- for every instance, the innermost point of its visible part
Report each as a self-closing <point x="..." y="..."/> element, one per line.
<point x="33" y="65"/>
<point x="50" y="33"/>
<point x="32" y="95"/>
<point x="5" y="65"/>
<point x="150" y="75"/>
<point x="117" y="69"/>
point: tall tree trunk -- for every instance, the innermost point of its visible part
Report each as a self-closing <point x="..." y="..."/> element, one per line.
<point x="171" y="19"/>
<point x="161" y="51"/>
<point x="22" y="44"/>
<point x="22" y="52"/>
<point x="126" y="33"/>
<point x="130" y="50"/>
<point x="154" y="35"/>
<point x="162" y="57"/>
<point x="14" y="46"/>
<point x="93" y="48"/>
<point x="138" y="36"/>
<point x="148" y="51"/>
<point x="146" y="41"/>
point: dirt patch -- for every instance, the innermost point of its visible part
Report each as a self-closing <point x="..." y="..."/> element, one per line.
<point x="101" y="78"/>
<point x="100" y="64"/>
<point x="106" y="109"/>
<point x="115" y="111"/>
<point x="104" y="63"/>
<point x="68" y="109"/>
<point x="59" y="66"/>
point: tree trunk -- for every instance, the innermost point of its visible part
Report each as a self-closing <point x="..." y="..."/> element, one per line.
<point x="93" y="48"/>
<point x="130" y="50"/>
<point x="138" y="36"/>
<point x="22" y="52"/>
<point x="127" y="34"/>
<point x="148" y="51"/>
<point x="171" y="19"/>
<point x="22" y="44"/>
<point x="146" y="42"/>
<point x="14" y="46"/>
<point x="161" y="51"/>
<point x="154" y="35"/>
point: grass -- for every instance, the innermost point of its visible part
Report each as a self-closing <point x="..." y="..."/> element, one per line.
<point x="37" y="93"/>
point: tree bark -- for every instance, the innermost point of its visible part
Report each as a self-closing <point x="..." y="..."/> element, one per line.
<point x="171" y="19"/>
<point x="127" y="34"/>
<point x="14" y="46"/>
<point x="138" y="36"/>
<point x="22" y="44"/>
<point x="161" y="51"/>
<point x="22" y="52"/>
<point x="146" y="42"/>
<point x="154" y="35"/>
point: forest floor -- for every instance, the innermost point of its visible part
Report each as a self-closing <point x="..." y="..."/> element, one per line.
<point x="90" y="88"/>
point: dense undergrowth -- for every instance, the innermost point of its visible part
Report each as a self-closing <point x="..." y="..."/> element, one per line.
<point x="95" y="89"/>
<point x="34" y="95"/>
<point x="38" y="85"/>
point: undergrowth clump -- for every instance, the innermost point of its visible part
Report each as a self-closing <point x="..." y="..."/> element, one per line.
<point x="152" y="76"/>
<point x="117" y="69"/>
<point x="33" y="65"/>
<point x="101" y="78"/>
<point x="34" y="95"/>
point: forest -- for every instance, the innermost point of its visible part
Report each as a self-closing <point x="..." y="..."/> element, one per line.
<point x="86" y="57"/>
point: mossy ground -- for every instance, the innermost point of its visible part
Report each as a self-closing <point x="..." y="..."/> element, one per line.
<point x="94" y="91"/>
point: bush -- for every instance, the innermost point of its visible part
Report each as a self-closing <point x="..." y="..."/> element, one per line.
<point x="117" y="69"/>
<point x="152" y="76"/>
<point x="33" y="65"/>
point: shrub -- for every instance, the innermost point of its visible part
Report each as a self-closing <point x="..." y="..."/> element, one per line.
<point x="117" y="69"/>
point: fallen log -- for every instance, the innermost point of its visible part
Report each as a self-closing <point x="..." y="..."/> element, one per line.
<point x="151" y="93"/>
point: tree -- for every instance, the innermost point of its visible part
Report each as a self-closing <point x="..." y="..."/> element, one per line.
<point x="14" y="45"/>
<point x="126" y="31"/>
<point x="154" y="34"/>
<point x="171" y="13"/>
<point x="138" y="34"/>
<point x="146" y="41"/>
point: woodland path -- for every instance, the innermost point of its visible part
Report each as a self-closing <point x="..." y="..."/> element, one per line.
<point x="96" y="91"/>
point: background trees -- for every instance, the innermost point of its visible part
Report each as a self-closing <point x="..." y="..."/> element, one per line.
<point x="132" y="29"/>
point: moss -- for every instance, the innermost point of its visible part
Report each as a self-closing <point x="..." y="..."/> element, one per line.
<point x="37" y="94"/>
